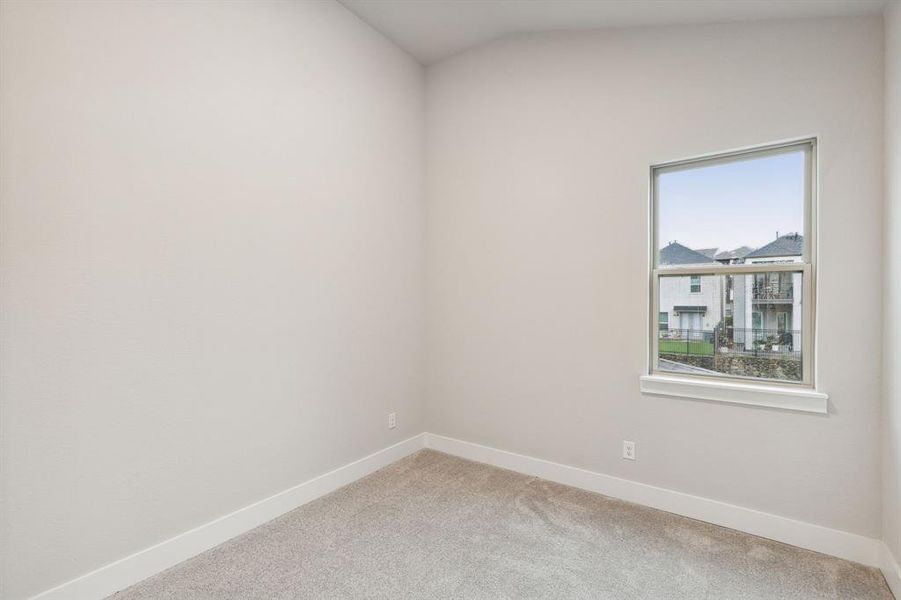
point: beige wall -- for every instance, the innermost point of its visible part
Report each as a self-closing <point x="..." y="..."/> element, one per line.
<point x="538" y="154"/>
<point x="212" y="274"/>
<point x="891" y="501"/>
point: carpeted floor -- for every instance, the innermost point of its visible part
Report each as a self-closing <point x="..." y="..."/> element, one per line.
<point x="436" y="526"/>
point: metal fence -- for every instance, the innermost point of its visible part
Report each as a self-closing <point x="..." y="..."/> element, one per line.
<point x="773" y="343"/>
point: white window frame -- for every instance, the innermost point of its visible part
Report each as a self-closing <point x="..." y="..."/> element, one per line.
<point x="801" y="395"/>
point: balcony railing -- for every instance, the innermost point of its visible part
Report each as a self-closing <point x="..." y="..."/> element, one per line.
<point x="771" y="343"/>
<point x="773" y="290"/>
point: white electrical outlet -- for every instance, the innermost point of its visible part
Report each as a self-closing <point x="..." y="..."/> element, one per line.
<point x="392" y="420"/>
<point x="628" y="450"/>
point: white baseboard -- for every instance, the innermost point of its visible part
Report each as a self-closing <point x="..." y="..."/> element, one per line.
<point x="891" y="570"/>
<point x="141" y="565"/>
<point x="842" y="544"/>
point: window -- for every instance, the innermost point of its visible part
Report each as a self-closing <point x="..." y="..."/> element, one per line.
<point x="782" y="321"/>
<point x="757" y="320"/>
<point x="739" y="228"/>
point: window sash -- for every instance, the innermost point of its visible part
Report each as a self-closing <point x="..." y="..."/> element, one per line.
<point x="808" y="145"/>
<point x="807" y="326"/>
<point x="744" y="269"/>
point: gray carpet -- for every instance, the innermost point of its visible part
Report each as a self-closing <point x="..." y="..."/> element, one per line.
<point x="436" y="526"/>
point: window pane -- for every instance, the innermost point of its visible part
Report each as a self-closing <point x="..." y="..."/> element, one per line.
<point x="733" y="212"/>
<point x="738" y="325"/>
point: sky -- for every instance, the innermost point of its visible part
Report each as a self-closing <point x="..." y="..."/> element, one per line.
<point x="725" y="206"/>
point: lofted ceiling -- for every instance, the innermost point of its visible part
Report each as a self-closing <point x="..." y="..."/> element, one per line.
<point x="432" y="30"/>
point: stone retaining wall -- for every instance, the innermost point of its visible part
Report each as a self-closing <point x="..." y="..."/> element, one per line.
<point x="743" y="365"/>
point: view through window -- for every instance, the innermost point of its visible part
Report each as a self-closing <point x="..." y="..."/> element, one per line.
<point x="732" y="265"/>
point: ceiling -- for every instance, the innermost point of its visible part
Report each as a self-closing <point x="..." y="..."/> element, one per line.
<point x="432" y="30"/>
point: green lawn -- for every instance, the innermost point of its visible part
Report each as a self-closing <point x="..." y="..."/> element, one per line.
<point x="696" y="348"/>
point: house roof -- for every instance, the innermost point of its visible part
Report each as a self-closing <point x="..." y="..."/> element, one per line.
<point x="708" y="252"/>
<point x="739" y="252"/>
<point x="675" y="253"/>
<point x="791" y="244"/>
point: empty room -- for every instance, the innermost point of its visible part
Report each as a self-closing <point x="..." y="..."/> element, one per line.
<point x="450" y="299"/>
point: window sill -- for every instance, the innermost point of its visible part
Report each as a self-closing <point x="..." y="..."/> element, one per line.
<point x="784" y="397"/>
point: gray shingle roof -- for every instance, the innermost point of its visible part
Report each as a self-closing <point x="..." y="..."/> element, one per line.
<point x="675" y="253"/>
<point x="708" y="252"/>
<point x="791" y="244"/>
<point x="739" y="252"/>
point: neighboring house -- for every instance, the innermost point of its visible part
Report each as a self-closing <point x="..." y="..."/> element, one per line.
<point x="731" y="257"/>
<point x="753" y="308"/>
<point x="688" y="302"/>
<point x="769" y="304"/>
